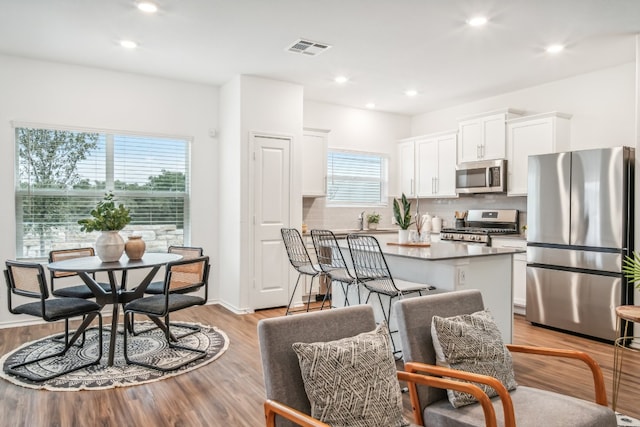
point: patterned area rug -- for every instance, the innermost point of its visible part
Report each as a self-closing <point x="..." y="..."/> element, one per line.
<point x="150" y="347"/>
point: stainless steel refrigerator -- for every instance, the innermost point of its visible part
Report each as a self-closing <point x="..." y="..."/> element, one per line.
<point x="579" y="228"/>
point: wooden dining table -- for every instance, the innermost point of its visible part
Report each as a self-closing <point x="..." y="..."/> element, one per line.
<point x="85" y="267"/>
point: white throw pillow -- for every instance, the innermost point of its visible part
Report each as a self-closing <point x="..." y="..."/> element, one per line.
<point x="472" y="343"/>
<point x="352" y="382"/>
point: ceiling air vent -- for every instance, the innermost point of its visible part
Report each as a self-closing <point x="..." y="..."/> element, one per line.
<point x="307" y="47"/>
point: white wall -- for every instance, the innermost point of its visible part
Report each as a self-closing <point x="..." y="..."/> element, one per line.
<point x="602" y="104"/>
<point x="360" y="130"/>
<point x="251" y="105"/>
<point x="50" y="93"/>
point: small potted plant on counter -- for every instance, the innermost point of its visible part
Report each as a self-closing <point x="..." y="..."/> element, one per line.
<point x="373" y="219"/>
<point x="402" y="215"/>
<point x="109" y="218"/>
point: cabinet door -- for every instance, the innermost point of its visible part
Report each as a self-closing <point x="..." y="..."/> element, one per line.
<point x="314" y="165"/>
<point x="493" y="137"/>
<point x="519" y="270"/>
<point x="406" y="169"/>
<point x="427" y="167"/>
<point x="470" y="142"/>
<point x="446" y="179"/>
<point x="526" y="139"/>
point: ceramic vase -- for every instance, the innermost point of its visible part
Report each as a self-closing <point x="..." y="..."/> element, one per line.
<point x="109" y="246"/>
<point x="134" y="248"/>
<point x="372" y="226"/>
<point x="403" y="236"/>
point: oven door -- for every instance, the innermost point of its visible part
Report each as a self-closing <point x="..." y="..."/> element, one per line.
<point x="481" y="177"/>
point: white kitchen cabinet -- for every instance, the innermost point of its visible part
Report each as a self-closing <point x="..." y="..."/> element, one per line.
<point x="483" y="136"/>
<point x="436" y="165"/>
<point x="519" y="270"/>
<point x="427" y="165"/>
<point x="314" y="163"/>
<point x="407" y="167"/>
<point x="531" y="135"/>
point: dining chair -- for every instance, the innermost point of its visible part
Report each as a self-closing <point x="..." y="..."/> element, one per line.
<point x="157" y="287"/>
<point x="25" y="279"/>
<point x="332" y="262"/>
<point x="78" y="290"/>
<point x="338" y="335"/>
<point x="301" y="262"/>
<point x="372" y="272"/>
<point x="465" y="326"/>
<point x="182" y="282"/>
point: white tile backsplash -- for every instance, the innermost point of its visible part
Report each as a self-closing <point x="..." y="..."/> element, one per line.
<point x="316" y="214"/>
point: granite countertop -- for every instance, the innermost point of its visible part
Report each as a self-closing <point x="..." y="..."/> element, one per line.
<point x="446" y="250"/>
<point x="443" y="251"/>
<point x="344" y="232"/>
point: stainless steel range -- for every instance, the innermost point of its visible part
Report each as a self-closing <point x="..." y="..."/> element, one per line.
<point x="481" y="224"/>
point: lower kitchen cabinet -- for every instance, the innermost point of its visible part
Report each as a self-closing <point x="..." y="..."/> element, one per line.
<point x="519" y="270"/>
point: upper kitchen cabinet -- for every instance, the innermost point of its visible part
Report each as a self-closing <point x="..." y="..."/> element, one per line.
<point x="314" y="163"/>
<point x="407" y="168"/>
<point x="531" y="135"/>
<point x="483" y="136"/>
<point x="428" y="165"/>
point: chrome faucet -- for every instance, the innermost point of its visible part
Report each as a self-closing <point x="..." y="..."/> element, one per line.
<point x="361" y="221"/>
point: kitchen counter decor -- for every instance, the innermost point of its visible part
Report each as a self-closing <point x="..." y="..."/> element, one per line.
<point x="402" y="216"/>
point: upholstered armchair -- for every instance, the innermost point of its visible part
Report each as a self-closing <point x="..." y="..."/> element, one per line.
<point x="524" y="406"/>
<point x="286" y="380"/>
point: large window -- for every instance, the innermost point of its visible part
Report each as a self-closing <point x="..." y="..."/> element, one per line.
<point x="61" y="174"/>
<point x="356" y="178"/>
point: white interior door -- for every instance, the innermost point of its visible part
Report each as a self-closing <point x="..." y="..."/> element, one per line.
<point x="272" y="191"/>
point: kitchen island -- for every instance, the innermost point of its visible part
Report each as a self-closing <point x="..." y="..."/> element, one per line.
<point x="449" y="266"/>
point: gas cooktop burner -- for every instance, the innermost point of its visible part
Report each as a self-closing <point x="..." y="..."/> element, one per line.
<point x="482" y="224"/>
<point x="480" y="230"/>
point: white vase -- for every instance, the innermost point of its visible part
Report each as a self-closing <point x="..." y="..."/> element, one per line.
<point x="403" y="236"/>
<point x="109" y="246"/>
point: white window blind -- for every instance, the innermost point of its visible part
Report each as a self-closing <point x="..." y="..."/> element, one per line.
<point x="356" y="178"/>
<point x="62" y="174"/>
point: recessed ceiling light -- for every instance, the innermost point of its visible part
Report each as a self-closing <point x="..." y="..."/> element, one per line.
<point x="341" y="79"/>
<point x="147" y="7"/>
<point x="411" y="92"/>
<point x="555" y="48"/>
<point x="477" y="21"/>
<point x="370" y="105"/>
<point x="128" y="44"/>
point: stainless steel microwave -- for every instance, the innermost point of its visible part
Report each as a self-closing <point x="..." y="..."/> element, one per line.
<point x="487" y="176"/>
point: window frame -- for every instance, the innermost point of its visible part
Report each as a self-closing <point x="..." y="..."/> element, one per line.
<point x="109" y="177"/>
<point x="384" y="181"/>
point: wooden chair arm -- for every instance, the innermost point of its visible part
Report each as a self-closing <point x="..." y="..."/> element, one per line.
<point x="273" y="408"/>
<point x="503" y="393"/>
<point x="598" y="379"/>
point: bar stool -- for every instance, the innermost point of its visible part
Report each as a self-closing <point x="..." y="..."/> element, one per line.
<point x="626" y="314"/>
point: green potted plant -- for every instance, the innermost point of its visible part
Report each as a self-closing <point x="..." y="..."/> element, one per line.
<point x="402" y="215"/>
<point x="631" y="268"/>
<point x="109" y="218"/>
<point x="373" y="219"/>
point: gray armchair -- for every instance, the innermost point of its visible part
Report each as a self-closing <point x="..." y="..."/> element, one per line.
<point x="287" y="403"/>
<point x="525" y="406"/>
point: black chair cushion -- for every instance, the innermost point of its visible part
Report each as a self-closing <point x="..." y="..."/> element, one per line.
<point x="59" y="308"/>
<point x="155" y="305"/>
<point x="155" y="288"/>
<point x="79" y="291"/>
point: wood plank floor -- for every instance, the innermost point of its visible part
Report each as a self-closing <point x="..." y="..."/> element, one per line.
<point x="229" y="391"/>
